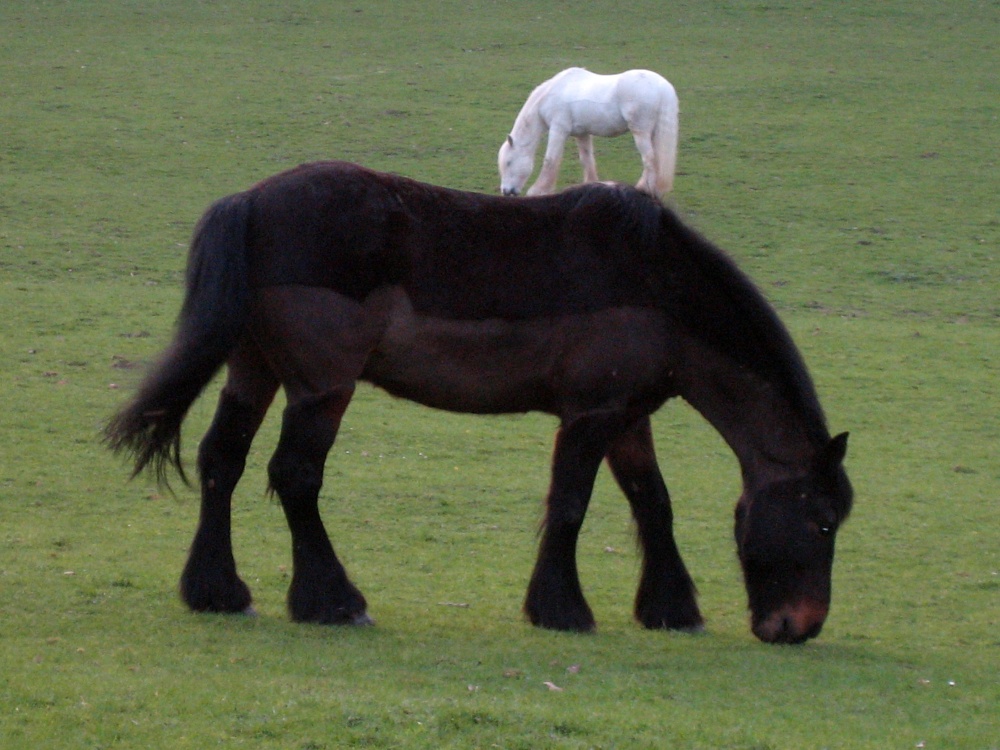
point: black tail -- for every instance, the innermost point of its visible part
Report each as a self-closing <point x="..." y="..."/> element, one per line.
<point x="211" y="321"/>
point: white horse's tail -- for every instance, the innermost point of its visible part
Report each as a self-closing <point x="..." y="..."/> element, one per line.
<point x="665" y="137"/>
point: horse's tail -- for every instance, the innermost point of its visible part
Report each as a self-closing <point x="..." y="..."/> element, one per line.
<point x="665" y="136"/>
<point x="211" y="322"/>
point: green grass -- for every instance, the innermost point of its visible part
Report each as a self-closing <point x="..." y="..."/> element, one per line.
<point x="844" y="153"/>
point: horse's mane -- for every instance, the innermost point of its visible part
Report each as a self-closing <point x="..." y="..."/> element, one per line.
<point x="615" y="245"/>
<point x="635" y="215"/>
<point x="603" y="245"/>
<point x="726" y="310"/>
<point x="530" y="107"/>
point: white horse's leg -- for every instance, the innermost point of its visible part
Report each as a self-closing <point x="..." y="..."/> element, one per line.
<point x="644" y="143"/>
<point x="585" y="143"/>
<point x="546" y="182"/>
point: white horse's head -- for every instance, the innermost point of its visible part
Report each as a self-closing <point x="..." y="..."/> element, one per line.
<point x="516" y="163"/>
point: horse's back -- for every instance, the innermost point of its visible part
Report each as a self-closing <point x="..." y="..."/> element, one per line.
<point x="457" y="300"/>
<point x="586" y="103"/>
<point x="647" y="86"/>
<point x="459" y="255"/>
<point x="577" y="252"/>
<point x="582" y="82"/>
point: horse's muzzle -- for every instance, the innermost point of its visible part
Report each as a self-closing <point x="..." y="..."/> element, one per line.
<point x="509" y="191"/>
<point x="794" y="623"/>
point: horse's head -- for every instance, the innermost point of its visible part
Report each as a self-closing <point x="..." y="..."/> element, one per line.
<point x="516" y="163"/>
<point x="785" y="535"/>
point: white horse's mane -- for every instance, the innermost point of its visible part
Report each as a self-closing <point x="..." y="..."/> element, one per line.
<point x="528" y="123"/>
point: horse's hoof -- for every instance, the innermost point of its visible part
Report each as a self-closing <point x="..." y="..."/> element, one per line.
<point x="362" y="620"/>
<point x="692" y="630"/>
<point x="337" y="617"/>
<point x="250" y="611"/>
<point x="566" y="625"/>
<point x="674" y="627"/>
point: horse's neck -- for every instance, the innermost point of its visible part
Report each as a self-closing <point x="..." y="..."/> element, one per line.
<point x="528" y="125"/>
<point x="771" y="437"/>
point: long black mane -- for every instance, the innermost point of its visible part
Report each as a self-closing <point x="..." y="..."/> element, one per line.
<point x="720" y="303"/>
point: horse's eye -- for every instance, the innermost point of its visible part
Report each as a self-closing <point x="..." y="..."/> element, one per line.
<point x="822" y="528"/>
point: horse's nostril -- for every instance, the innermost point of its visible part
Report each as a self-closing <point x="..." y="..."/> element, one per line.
<point x="781" y="631"/>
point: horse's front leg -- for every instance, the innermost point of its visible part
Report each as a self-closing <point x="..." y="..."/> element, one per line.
<point x="320" y="590"/>
<point x="644" y="144"/>
<point x="209" y="582"/>
<point x="666" y="594"/>
<point x="555" y="599"/>
<point x="585" y="145"/>
<point x="549" y="173"/>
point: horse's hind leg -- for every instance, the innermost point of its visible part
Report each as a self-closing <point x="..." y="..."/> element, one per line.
<point x="666" y="594"/>
<point x="318" y="342"/>
<point x="644" y="144"/>
<point x="209" y="582"/>
<point x="585" y="145"/>
<point x="320" y="590"/>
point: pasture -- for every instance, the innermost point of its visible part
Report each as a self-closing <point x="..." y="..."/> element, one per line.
<point x="844" y="154"/>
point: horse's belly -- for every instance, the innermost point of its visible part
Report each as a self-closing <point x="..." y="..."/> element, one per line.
<point x="491" y="366"/>
<point x="597" y="118"/>
<point x="610" y="357"/>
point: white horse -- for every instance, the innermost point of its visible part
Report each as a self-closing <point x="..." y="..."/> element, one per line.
<point x="581" y="104"/>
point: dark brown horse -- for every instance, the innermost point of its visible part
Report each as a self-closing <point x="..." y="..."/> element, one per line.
<point x="595" y="305"/>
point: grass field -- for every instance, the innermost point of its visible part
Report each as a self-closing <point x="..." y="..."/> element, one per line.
<point x="844" y="153"/>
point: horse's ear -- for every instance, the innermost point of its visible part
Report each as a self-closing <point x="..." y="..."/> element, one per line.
<point x="832" y="454"/>
<point x="510" y="141"/>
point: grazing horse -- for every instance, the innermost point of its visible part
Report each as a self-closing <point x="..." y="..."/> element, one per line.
<point x="595" y="305"/>
<point x="582" y="104"/>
